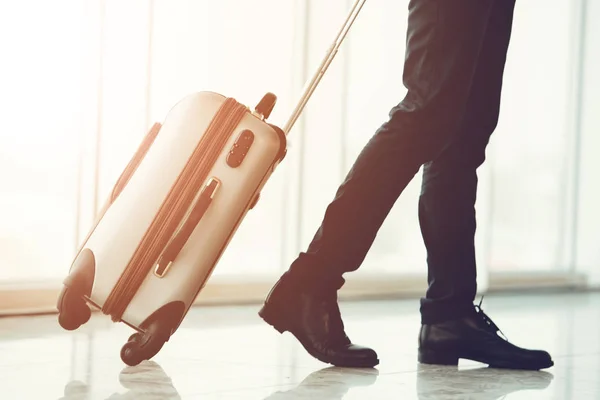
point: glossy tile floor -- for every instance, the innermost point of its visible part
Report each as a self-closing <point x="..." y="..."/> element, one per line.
<point x="228" y="353"/>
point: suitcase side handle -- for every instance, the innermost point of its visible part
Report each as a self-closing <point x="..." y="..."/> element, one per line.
<point x="180" y="238"/>
<point x="124" y="178"/>
<point x="135" y="161"/>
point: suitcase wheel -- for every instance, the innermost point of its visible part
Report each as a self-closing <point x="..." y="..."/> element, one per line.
<point x="73" y="311"/>
<point x="144" y="345"/>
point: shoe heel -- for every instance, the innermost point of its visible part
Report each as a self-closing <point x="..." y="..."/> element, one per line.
<point x="270" y="318"/>
<point x="436" y="357"/>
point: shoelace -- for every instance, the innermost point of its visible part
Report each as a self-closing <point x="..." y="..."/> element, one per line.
<point x="488" y="321"/>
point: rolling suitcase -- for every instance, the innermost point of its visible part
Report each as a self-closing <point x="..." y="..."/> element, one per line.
<point x="174" y="210"/>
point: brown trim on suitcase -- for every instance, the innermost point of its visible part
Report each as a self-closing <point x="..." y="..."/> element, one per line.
<point x="174" y="207"/>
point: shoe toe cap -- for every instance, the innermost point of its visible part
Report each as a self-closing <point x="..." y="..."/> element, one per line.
<point x="542" y="357"/>
<point x="362" y="352"/>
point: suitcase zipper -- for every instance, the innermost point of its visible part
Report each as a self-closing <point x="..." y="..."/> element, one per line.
<point x="174" y="207"/>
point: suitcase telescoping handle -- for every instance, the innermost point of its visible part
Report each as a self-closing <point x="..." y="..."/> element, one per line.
<point x="329" y="56"/>
<point x="199" y="208"/>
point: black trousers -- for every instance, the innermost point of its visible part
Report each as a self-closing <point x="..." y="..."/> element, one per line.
<point x="455" y="57"/>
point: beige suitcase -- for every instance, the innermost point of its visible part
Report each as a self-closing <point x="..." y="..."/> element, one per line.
<point x="174" y="210"/>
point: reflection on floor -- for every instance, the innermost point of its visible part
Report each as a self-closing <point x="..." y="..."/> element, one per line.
<point x="228" y="353"/>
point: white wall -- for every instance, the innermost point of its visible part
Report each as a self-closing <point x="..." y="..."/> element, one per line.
<point x="588" y="234"/>
<point x="244" y="49"/>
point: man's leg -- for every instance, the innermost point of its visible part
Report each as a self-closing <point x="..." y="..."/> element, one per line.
<point x="449" y="188"/>
<point x="453" y="327"/>
<point x="443" y="46"/>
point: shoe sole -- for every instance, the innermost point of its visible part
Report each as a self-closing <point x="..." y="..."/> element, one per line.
<point x="437" y="358"/>
<point x="281" y="327"/>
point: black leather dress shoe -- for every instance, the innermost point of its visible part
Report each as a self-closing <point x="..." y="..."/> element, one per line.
<point x="316" y="322"/>
<point x="475" y="337"/>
